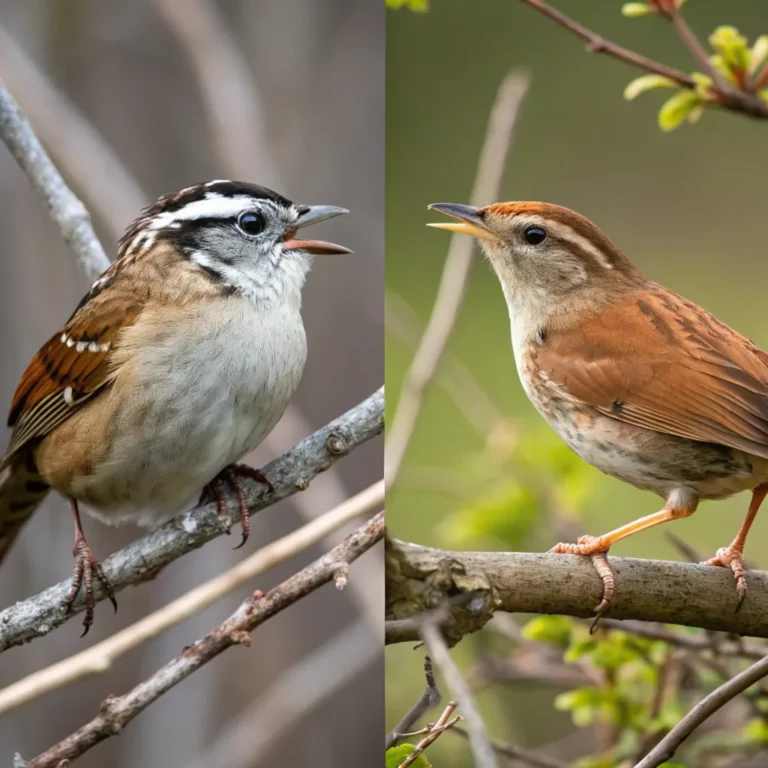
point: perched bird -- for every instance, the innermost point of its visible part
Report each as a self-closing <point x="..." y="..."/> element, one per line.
<point x="180" y="359"/>
<point x="641" y="383"/>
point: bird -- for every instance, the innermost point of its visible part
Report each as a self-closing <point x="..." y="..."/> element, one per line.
<point x="641" y="383"/>
<point x="179" y="360"/>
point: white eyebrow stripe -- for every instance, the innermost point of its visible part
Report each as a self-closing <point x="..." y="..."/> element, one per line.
<point x="563" y="231"/>
<point x="211" y="206"/>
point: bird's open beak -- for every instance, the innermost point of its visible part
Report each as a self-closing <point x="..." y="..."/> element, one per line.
<point x="312" y="214"/>
<point x="469" y="221"/>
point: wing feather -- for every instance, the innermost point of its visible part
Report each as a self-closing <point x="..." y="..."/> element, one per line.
<point x="663" y="363"/>
<point x="70" y="367"/>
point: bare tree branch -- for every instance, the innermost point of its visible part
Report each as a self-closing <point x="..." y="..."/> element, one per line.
<point x="482" y="751"/>
<point x="64" y="208"/>
<point x="707" y="707"/>
<point x="453" y="282"/>
<point x="430" y="698"/>
<point x="730" y="98"/>
<point x="93" y="167"/>
<point x="420" y="579"/>
<point x="689" y="642"/>
<point x="433" y="732"/>
<point x="116" y="712"/>
<point x="525" y="756"/>
<point x="144" y="558"/>
<point x="100" y="657"/>
<point x="693" y="44"/>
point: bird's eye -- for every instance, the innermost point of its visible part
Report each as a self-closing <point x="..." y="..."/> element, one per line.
<point x="251" y="223"/>
<point x="534" y="235"/>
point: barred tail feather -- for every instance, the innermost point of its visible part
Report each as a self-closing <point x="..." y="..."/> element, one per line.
<point x="22" y="490"/>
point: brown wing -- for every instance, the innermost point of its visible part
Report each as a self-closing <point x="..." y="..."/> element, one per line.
<point x="658" y="361"/>
<point x="72" y="366"/>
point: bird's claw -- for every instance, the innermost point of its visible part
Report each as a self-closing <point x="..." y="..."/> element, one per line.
<point x="595" y="549"/>
<point x="730" y="557"/>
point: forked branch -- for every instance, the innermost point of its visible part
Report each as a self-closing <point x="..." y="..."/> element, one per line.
<point x="117" y="711"/>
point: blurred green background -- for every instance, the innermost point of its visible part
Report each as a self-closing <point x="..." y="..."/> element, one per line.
<point x="688" y="207"/>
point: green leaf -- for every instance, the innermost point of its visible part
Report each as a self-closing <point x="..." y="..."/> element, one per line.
<point x="607" y="760"/>
<point x="677" y="109"/>
<point x="555" y="630"/>
<point x="579" y="649"/>
<point x="634" y="10"/>
<point x="756" y="731"/>
<point x="758" y="55"/>
<point x="703" y="84"/>
<point x="695" y="114"/>
<point x="419" y="6"/>
<point x="585" y="704"/>
<point x="719" y="63"/>
<point x="646" y="83"/>
<point x="732" y="47"/>
<point x="396" y="755"/>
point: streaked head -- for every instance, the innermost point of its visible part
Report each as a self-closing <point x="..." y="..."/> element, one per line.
<point x="239" y="234"/>
<point x="542" y="249"/>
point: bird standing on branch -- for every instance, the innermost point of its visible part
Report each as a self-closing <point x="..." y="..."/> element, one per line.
<point x="641" y="383"/>
<point x="181" y="359"/>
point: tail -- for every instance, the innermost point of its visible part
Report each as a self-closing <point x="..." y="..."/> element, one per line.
<point x="22" y="490"/>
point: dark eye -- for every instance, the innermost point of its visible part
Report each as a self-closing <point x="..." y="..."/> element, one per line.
<point x="251" y="223"/>
<point x="534" y="235"/>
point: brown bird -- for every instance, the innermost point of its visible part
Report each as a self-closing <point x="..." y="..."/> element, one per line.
<point x="181" y="359"/>
<point x="641" y="383"/>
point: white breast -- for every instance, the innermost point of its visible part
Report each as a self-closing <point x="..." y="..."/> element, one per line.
<point x="206" y="392"/>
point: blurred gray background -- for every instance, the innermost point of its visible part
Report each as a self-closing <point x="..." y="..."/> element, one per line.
<point x="286" y="93"/>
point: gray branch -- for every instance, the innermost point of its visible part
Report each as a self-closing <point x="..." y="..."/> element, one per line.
<point x="144" y="559"/>
<point x="421" y="578"/>
<point x="69" y="214"/>
<point x="116" y="712"/>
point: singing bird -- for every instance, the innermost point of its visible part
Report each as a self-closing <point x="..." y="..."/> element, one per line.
<point x="180" y="359"/>
<point x="641" y="383"/>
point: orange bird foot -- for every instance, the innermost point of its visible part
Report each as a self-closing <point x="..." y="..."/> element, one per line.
<point x="732" y="557"/>
<point x="596" y="549"/>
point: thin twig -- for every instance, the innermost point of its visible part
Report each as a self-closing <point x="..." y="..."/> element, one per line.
<point x="730" y="98"/>
<point x="443" y="723"/>
<point x="707" y="707"/>
<point x="482" y="751"/>
<point x="693" y="44"/>
<point x="696" y="643"/>
<point x="117" y="711"/>
<point x="430" y="698"/>
<point x="101" y="657"/>
<point x="598" y="44"/>
<point x="527" y="756"/>
<point x="144" y="558"/>
<point x="65" y="209"/>
<point x="107" y="186"/>
<point x="453" y="282"/>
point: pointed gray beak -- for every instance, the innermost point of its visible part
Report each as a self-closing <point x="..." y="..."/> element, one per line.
<point x="469" y="220"/>
<point x="312" y="214"/>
